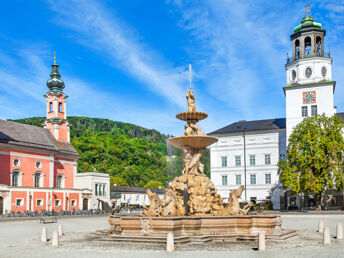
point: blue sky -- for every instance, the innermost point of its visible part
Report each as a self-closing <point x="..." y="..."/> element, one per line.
<point x="128" y="60"/>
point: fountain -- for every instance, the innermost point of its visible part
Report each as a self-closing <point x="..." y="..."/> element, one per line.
<point x="191" y="208"/>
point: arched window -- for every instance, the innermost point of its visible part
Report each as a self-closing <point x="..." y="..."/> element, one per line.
<point x="308" y="46"/>
<point x="318" y="46"/>
<point x="297" y="49"/>
<point x="50" y="106"/>
<point x="15" y="178"/>
<point x="60" y="181"/>
<point x="38" y="179"/>
<point x="60" y="107"/>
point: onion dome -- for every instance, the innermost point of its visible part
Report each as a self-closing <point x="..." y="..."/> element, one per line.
<point x="55" y="84"/>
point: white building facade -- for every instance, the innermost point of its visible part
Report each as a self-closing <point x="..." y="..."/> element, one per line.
<point x="252" y="149"/>
<point x="124" y="195"/>
<point x="98" y="184"/>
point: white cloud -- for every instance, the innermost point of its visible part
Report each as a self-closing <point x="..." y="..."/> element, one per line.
<point x="99" y="29"/>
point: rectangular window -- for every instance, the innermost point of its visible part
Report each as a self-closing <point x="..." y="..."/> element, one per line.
<point x="252" y="160"/>
<point x="73" y="203"/>
<point x="253" y="179"/>
<point x="267" y="159"/>
<point x="97" y="189"/>
<point x="238" y="179"/>
<point x="304" y="111"/>
<point x="268" y="179"/>
<point x="224" y="161"/>
<point x="60" y="107"/>
<point x="57" y="203"/>
<point x="237" y="161"/>
<point x="19" y="202"/>
<point x="51" y="107"/>
<point x="314" y="110"/>
<point x="224" y="180"/>
<point x="39" y="202"/>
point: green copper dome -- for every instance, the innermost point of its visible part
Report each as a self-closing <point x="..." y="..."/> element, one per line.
<point x="55" y="84"/>
<point x="307" y="21"/>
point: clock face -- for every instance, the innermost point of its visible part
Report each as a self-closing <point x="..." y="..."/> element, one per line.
<point x="309" y="97"/>
<point x="308" y="72"/>
<point x="323" y="71"/>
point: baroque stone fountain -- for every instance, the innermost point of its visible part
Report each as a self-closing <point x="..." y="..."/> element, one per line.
<point x="191" y="208"/>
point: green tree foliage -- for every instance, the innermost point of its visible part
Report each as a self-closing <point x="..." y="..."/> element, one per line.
<point x="130" y="154"/>
<point x="118" y="181"/>
<point x="314" y="161"/>
<point x="154" y="184"/>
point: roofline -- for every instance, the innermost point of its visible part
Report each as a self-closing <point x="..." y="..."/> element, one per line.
<point x="313" y="84"/>
<point x="256" y="130"/>
<point x="307" y="58"/>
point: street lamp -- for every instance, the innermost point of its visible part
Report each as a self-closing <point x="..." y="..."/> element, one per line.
<point x="244" y="135"/>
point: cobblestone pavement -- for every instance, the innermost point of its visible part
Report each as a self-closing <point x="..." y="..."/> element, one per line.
<point x="21" y="239"/>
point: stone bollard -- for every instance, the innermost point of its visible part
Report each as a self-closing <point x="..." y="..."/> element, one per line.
<point x="261" y="241"/>
<point x="44" y="234"/>
<point x="60" y="229"/>
<point x="326" y="236"/>
<point x="170" y="242"/>
<point x="55" y="241"/>
<point x="321" y="226"/>
<point x="339" y="231"/>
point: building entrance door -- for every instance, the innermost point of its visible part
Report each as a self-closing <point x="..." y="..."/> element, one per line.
<point x="1" y="205"/>
<point x="85" y="204"/>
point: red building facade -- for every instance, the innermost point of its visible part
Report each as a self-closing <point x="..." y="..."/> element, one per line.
<point x="38" y="165"/>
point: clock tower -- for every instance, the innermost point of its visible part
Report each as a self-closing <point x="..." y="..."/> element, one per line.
<point x="310" y="88"/>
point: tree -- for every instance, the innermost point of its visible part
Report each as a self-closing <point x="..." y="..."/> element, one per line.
<point x="314" y="161"/>
<point x="154" y="184"/>
<point x="118" y="181"/>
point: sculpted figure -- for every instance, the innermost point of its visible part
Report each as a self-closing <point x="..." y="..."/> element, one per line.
<point x="189" y="131"/>
<point x="191" y="160"/>
<point x="233" y="203"/>
<point x="154" y="208"/>
<point x="196" y="129"/>
<point x="191" y="101"/>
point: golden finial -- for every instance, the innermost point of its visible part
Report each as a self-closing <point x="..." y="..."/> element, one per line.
<point x="308" y="9"/>
<point x="54" y="58"/>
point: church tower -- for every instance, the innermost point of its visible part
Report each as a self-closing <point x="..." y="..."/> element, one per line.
<point x="56" y="120"/>
<point x="309" y="90"/>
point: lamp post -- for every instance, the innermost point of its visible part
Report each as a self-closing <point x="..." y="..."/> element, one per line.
<point x="244" y="135"/>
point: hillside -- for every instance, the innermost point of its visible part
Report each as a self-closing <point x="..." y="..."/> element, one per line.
<point x="130" y="154"/>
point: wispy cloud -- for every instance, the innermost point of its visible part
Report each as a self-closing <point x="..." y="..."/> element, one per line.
<point x="244" y="46"/>
<point x="22" y="84"/>
<point x="100" y="30"/>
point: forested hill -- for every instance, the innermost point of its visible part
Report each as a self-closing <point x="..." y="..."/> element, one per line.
<point x="131" y="154"/>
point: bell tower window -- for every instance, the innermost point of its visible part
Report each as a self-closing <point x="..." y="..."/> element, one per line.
<point x="308" y="46"/>
<point x="60" y="107"/>
<point x="297" y="49"/>
<point x="318" y="46"/>
<point x="51" y="107"/>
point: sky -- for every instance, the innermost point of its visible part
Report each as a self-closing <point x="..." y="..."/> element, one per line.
<point x="128" y="60"/>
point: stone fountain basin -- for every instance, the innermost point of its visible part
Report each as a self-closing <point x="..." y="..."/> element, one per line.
<point x="194" y="141"/>
<point x="245" y="225"/>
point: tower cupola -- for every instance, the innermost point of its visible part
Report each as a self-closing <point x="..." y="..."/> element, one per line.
<point x="55" y="84"/>
<point x="56" y="120"/>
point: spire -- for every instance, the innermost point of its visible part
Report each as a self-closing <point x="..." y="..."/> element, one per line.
<point x="55" y="84"/>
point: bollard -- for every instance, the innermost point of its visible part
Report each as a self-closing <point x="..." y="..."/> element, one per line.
<point x="60" y="229"/>
<point x="321" y="226"/>
<point x="339" y="231"/>
<point x="55" y="241"/>
<point x="44" y="234"/>
<point x="261" y="241"/>
<point x="170" y="242"/>
<point x="326" y="236"/>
